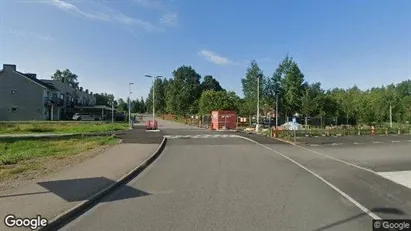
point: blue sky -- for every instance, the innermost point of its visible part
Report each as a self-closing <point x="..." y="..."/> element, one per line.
<point x="111" y="43"/>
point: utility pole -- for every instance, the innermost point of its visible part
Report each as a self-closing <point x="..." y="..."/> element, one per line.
<point x="112" y="111"/>
<point x="154" y="98"/>
<point x="390" y="115"/>
<point x="153" y="84"/>
<point x="258" y="104"/>
<point x="129" y="108"/>
<point x="276" y="109"/>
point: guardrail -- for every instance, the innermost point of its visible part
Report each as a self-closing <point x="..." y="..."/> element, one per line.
<point x="336" y="132"/>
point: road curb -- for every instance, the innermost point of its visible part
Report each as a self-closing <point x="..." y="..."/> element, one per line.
<point x="64" y="218"/>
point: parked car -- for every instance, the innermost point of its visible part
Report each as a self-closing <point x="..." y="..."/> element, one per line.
<point x="84" y="116"/>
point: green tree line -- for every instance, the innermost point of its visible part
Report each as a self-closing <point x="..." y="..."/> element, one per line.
<point x="187" y="93"/>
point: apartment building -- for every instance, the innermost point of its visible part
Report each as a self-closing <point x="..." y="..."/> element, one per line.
<point x="25" y="97"/>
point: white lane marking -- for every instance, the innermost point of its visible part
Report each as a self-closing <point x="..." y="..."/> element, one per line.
<point x="356" y="143"/>
<point x="377" y="142"/>
<point x="395" y="141"/>
<point x="409" y="140"/>
<point x="314" y="145"/>
<point x="335" y="144"/>
<point x="400" y="177"/>
<point x="352" y="200"/>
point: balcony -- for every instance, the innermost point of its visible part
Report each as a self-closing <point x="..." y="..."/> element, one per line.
<point x="53" y="101"/>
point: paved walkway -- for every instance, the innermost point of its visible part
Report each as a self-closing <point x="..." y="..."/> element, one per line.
<point x="61" y="191"/>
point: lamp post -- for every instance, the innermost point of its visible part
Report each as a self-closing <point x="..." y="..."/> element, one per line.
<point x="129" y="109"/>
<point x="112" y="111"/>
<point x="276" y="108"/>
<point x="258" y="104"/>
<point x="153" y="81"/>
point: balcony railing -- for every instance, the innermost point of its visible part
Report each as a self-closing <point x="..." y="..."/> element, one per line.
<point x="53" y="101"/>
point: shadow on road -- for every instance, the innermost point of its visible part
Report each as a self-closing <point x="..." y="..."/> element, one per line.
<point x="81" y="189"/>
<point x="392" y="211"/>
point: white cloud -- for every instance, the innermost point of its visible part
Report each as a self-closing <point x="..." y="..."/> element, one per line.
<point x="124" y="19"/>
<point x="155" y="4"/>
<point x="73" y="8"/>
<point x="215" y="58"/>
<point x="169" y="19"/>
<point x="23" y="33"/>
<point x="109" y="14"/>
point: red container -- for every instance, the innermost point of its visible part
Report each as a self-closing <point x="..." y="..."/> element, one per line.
<point x="155" y="125"/>
<point x="223" y="119"/>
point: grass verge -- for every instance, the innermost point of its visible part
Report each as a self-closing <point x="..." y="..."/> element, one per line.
<point x="62" y="127"/>
<point x="17" y="157"/>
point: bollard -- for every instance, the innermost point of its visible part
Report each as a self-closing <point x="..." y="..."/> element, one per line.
<point x="359" y="132"/>
<point x="386" y="131"/>
<point x="399" y="131"/>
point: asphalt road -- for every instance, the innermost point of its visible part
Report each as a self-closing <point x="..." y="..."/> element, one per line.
<point x="223" y="184"/>
<point x="207" y="180"/>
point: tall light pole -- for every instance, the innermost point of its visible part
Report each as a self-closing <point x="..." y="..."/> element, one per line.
<point x="112" y="111"/>
<point x="129" y="108"/>
<point x="390" y="115"/>
<point x="153" y="81"/>
<point x="276" y="108"/>
<point x="258" y="104"/>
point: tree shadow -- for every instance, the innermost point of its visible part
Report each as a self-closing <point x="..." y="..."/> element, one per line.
<point x="392" y="211"/>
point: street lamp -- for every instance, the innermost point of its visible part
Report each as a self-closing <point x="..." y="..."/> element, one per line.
<point x="129" y="109"/>
<point x="276" y="108"/>
<point x="258" y="103"/>
<point x="153" y="80"/>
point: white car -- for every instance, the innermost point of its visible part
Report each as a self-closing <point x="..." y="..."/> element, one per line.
<point x="81" y="116"/>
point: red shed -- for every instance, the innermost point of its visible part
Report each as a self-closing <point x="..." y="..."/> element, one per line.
<point x="223" y="119"/>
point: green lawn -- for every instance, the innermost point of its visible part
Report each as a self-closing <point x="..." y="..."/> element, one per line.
<point x="20" y="156"/>
<point x="60" y="127"/>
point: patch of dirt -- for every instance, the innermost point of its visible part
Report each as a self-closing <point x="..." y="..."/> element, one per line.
<point x="41" y="167"/>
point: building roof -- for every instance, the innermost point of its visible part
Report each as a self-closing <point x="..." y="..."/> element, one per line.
<point x="33" y="78"/>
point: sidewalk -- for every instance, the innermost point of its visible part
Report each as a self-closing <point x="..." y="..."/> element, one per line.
<point x="65" y="189"/>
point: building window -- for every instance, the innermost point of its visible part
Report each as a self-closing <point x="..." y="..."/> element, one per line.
<point x="13" y="92"/>
<point x="13" y="109"/>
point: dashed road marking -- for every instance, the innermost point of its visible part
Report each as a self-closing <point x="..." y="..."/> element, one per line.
<point x="335" y="144"/>
<point x="314" y="145"/>
<point x="357" y="143"/>
<point x="395" y="141"/>
<point x="377" y="142"/>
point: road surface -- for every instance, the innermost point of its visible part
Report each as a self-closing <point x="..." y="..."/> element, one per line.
<point x="213" y="182"/>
